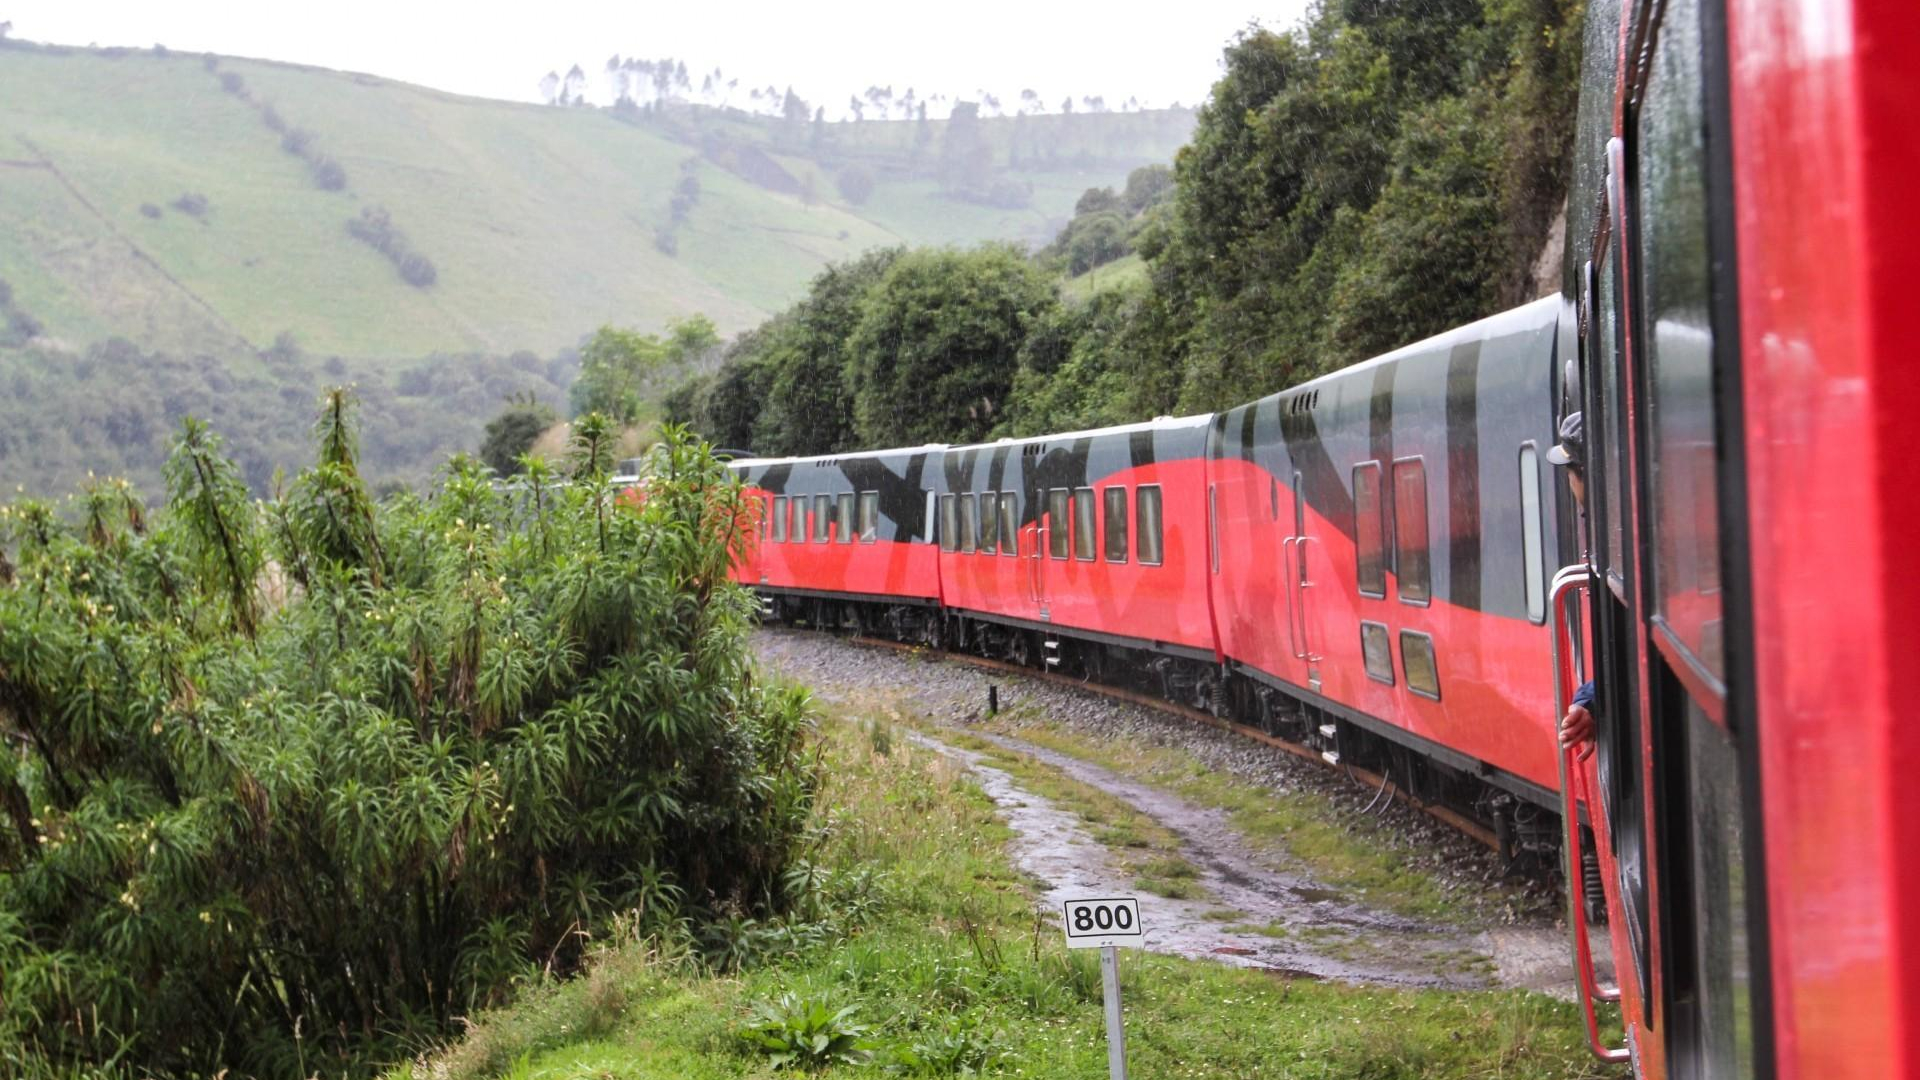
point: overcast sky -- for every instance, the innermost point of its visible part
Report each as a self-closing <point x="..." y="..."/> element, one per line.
<point x="825" y="50"/>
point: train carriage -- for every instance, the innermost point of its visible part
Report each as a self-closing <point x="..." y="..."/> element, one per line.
<point x="1389" y="531"/>
<point x="1096" y="536"/>
<point x="846" y="526"/>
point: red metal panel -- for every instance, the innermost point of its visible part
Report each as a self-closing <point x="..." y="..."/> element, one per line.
<point x="1824" y="102"/>
<point x="1496" y="673"/>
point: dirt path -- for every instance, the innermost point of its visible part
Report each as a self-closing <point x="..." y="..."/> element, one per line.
<point x="1261" y="908"/>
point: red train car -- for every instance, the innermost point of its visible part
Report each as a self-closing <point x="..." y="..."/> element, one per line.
<point x="1739" y="258"/>
<point x="1389" y="533"/>
<point x="1089" y="540"/>
<point x="847" y="527"/>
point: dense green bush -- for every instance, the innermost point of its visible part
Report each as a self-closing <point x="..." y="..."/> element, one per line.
<point x="288" y="787"/>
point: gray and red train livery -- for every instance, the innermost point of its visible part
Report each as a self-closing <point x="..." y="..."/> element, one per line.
<point x="1360" y="563"/>
<point x="1381" y="563"/>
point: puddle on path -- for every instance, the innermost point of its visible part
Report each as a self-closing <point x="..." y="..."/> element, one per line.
<point x="1312" y="931"/>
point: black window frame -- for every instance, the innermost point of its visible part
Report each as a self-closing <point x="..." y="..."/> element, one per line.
<point x="1086" y="523"/>
<point x="1370" y="575"/>
<point x="1108" y="532"/>
<point x="1140" y="525"/>
<point x="1423" y="556"/>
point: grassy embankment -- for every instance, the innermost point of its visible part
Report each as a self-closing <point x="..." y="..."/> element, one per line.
<point x="943" y="959"/>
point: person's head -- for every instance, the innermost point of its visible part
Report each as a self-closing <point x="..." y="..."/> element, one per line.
<point x="1571" y="451"/>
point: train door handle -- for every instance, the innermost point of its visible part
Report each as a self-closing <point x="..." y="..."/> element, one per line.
<point x="1569" y="582"/>
<point x="1292" y="557"/>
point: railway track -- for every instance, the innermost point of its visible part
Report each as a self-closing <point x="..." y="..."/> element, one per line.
<point x="1381" y="784"/>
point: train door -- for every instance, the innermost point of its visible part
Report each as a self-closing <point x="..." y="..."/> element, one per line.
<point x="1676" y="766"/>
<point x="1300" y="560"/>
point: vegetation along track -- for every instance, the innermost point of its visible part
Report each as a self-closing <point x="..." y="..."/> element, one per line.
<point x="1238" y="849"/>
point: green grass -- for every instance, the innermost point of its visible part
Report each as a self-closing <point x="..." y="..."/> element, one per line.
<point x="955" y="951"/>
<point x="540" y="220"/>
<point x="1345" y="850"/>
<point x="1119" y="273"/>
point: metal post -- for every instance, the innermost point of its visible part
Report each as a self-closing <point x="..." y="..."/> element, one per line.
<point x="993" y="700"/>
<point x="1116" y="1037"/>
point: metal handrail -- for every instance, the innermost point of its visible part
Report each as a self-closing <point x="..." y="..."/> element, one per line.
<point x="1571" y="581"/>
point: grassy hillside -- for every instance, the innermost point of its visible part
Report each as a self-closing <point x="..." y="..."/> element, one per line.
<point x="175" y="237"/>
<point x="540" y="221"/>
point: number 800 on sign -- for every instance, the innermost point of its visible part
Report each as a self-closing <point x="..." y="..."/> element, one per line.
<point x="1096" y="923"/>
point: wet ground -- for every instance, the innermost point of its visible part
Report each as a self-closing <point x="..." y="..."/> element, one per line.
<point x="1257" y="906"/>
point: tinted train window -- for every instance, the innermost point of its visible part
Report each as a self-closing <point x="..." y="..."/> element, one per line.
<point x="1116" y="524"/>
<point x="1009" y="524"/>
<point x="780" y="518"/>
<point x="969" y="534"/>
<point x="1376" y="651"/>
<point x="797" y="520"/>
<point x="1410" y="531"/>
<point x="928" y="517"/>
<point x="843" y="518"/>
<point x="869" y="516"/>
<point x="1416" y="656"/>
<point x="1369" y="529"/>
<point x="1146" y="521"/>
<point x="1674" y="290"/>
<point x="949" y="523"/>
<point x="1083" y="524"/>
<point x="989" y="522"/>
<point x="1057" y="529"/>
<point x="822" y="514"/>
<point x="1533" y="560"/>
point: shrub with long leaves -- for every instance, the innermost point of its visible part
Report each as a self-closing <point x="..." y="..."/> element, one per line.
<point x="285" y="788"/>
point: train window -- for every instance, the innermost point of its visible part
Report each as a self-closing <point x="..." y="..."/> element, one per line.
<point x="1116" y="524"/>
<point x="1083" y="524"/>
<point x="949" y="524"/>
<point x="928" y="517"/>
<point x="1057" y="532"/>
<point x="989" y="522"/>
<point x="1410" y="555"/>
<point x="1532" y="558"/>
<point x="1377" y="652"/>
<point x="1369" y="530"/>
<point x="1009" y="523"/>
<point x="780" y="519"/>
<point x="1146" y="524"/>
<point x="1674" y="274"/>
<point x="869" y="516"/>
<point x="1416" y="656"/>
<point x="797" y="520"/>
<point x="843" y="518"/>
<point x="969" y="534"/>
<point x="822" y="513"/>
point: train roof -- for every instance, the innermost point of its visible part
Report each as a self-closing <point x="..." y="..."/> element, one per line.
<point x="1158" y="423"/>
<point x="740" y="463"/>
<point x="1534" y="315"/>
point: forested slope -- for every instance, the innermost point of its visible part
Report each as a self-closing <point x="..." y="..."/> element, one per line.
<point x="1382" y="173"/>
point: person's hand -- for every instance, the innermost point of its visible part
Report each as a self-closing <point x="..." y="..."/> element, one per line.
<point x="1576" y="729"/>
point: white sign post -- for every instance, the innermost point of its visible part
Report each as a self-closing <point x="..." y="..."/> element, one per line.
<point x="1105" y="924"/>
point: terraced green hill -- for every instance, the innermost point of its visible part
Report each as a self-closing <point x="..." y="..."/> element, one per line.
<point x="178" y="233"/>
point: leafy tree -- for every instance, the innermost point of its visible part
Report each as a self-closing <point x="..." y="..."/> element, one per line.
<point x="512" y="433"/>
<point x="856" y="184"/>
<point x="933" y="353"/>
<point x="614" y="367"/>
